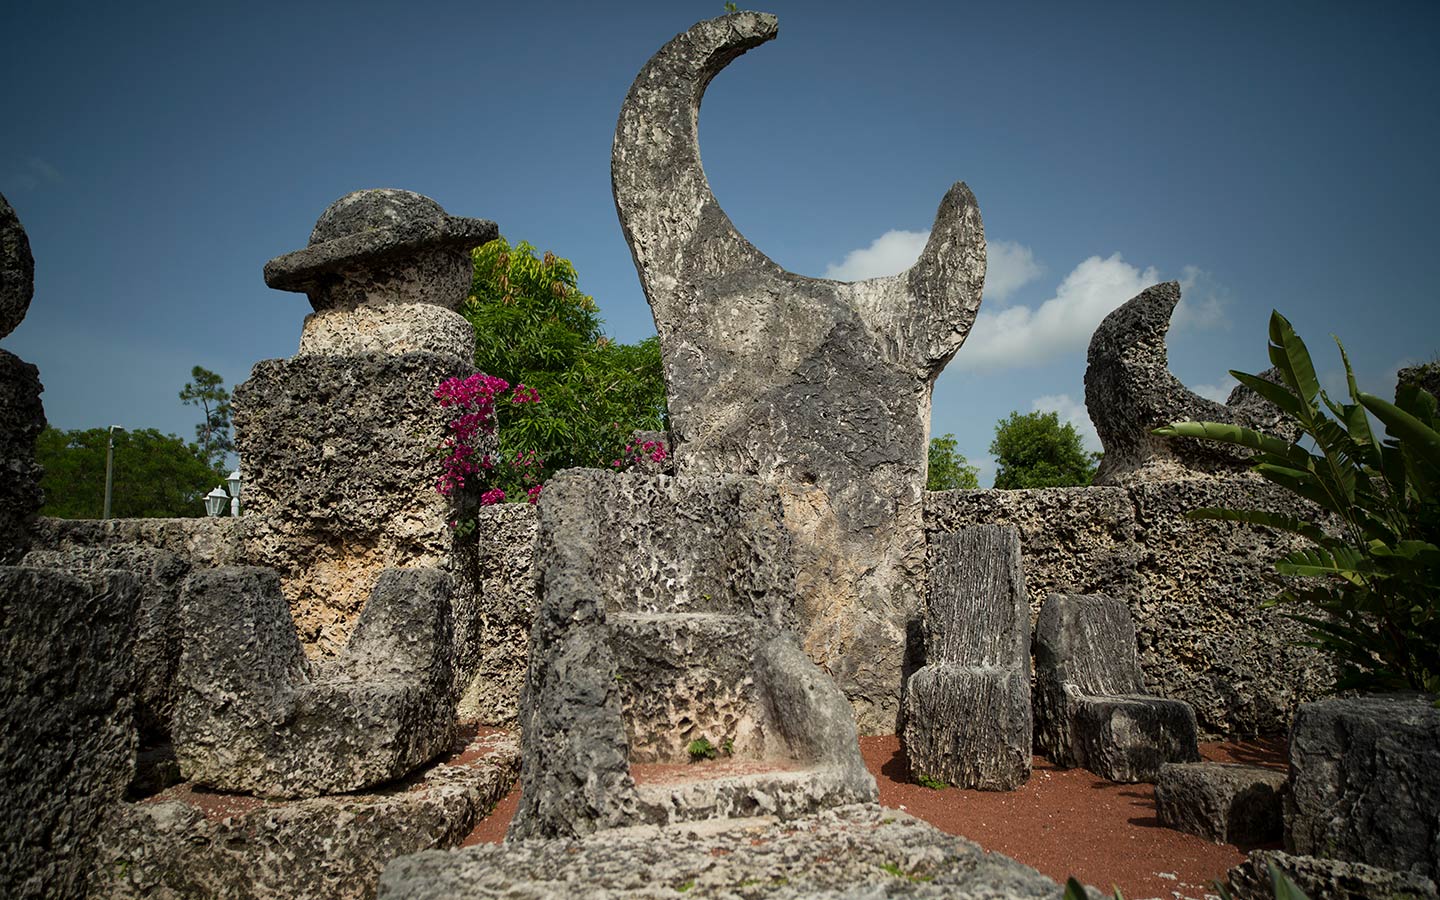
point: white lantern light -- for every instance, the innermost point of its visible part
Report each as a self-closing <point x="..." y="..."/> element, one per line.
<point x="235" y="483"/>
<point x="215" y="501"/>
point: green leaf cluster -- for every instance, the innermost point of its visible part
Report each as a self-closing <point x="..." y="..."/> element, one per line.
<point x="212" y="435"/>
<point x="1033" y="450"/>
<point x="948" y="469"/>
<point x="1375" y="579"/>
<point x="155" y="475"/>
<point x="534" y="326"/>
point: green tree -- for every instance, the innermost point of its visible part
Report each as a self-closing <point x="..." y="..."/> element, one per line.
<point x="1033" y="450"/>
<point x="156" y="475"/>
<point x="949" y="470"/>
<point x="534" y="326"/>
<point x="212" y="435"/>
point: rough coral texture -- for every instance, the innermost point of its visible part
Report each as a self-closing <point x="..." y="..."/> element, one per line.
<point x="1195" y="588"/>
<point x="253" y="715"/>
<point x="157" y="620"/>
<point x="820" y="386"/>
<point x="860" y="851"/>
<point x="183" y="844"/>
<point x="1091" y="705"/>
<point x="203" y="542"/>
<point x="22" y="418"/>
<point x="17" y="269"/>
<point x="1222" y="802"/>
<point x="341" y="470"/>
<point x="67" y="750"/>
<point x="1425" y="376"/>
<point x="507" y="583"/>
<point x="665" y="606"/>
<point x="967" y="711"/>
<point x="1129" y="392"/>
<point x="1365" y="784"/>
<point x="391" y="329"/>
<point x="1331" y="879"/>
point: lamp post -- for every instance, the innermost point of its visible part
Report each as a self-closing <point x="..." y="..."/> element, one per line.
<point x="234" y="482"/>
<point x="215" y="502"/>
<point x="109" y="469"/>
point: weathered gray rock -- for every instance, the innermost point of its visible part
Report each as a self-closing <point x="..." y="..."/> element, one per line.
<point x="392" y="329"/>
<point x="202" y="541"/>
<point x="820" y="386"/>
<point x="507" y="583"/>
<point x="1330" y="879"/>
<point x="1091" y="705"/>
<point x="22" y="418"/>
<point x="1195" y="589"/>
<point x="967" y="711"/>
<point x="1129" y="392"/>
<point x="17" y="269"/>
<point x="1365" y="782"/>
<point x="67" y="749"/>
<point x="341" y="473"/>
<point x="1225" y="803"/>
<point x="1425" y="376"/>
<point x="157" y="620"/>
<point x="184" y="844"/>
<point x="854" y="852"/>
<point x="664" y="613"/>
<point x="253" y="715"/>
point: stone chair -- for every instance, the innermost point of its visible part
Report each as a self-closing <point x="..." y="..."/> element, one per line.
<point x="967" y="710"/>
<point x="1092" y="709"/>
<point x="665" y="618"/>
<point x="253" y="715"/>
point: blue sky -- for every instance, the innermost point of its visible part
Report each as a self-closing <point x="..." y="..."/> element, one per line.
<point x="1275" y="155"/>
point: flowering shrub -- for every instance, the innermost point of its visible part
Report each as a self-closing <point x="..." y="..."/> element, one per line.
<point x="465" y="464"/>
<point x="639" y="451"/>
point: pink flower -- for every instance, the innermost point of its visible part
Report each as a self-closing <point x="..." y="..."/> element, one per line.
<point x="534" y="493"/>
<point x="491" y="497"/>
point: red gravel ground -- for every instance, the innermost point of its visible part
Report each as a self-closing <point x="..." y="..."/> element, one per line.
<point x="1062" y="821"/>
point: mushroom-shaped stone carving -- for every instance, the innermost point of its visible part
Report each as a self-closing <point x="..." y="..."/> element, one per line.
<point x="385" y="271"/>
<point x="17" y="269"/>
<point x="821" y="385"/>
<point x="1129" y="392"/>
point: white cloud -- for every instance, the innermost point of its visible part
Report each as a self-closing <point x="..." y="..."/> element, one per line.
<point x="1019" y="335"/>
<point x="1217" y="392"/>
<point x="1073" y="412"/>
<point x="1008" y="266"/>
<point x="890" y="254"/>
<point x="1008" y="263"/>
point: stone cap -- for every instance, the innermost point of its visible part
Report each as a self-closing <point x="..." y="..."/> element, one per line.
<point x="17" y="269"/>
<point x="372" y="225"/>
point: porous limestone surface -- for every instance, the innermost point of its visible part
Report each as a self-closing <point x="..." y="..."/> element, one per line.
<point x="1326" y="879"/>
<point x="967" y="716"/>
<point x="341" y="468"/>
<point x="507" y="584"/>
<point x="22" y="418"/>
<point x="1222" y="802"/>
<point x="1425" y="376"/>
<point x="67" y="748"/>
<point x="1365" y="782"/>
<point x="1092" y="708"/>
<point x="1129" y="392"/>
<point x="17" y="269"/>
<point x="202" y="541"/>
<point x="187" y="843"/>
<point x="819" y="386"/>
<point x="160" y="574"/>
<point x="393" y="329"/>
<point x="1196" y="589"/>
<point x="852" y="852"/>
<point x="252" y="714"/>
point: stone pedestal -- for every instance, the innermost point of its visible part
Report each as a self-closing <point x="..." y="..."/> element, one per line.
<point x="1225" y="803"/>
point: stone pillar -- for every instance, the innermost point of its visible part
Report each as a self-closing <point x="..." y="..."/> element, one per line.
<point x="22" y="417"/>
<point x="338" y="442"/>
<point x="820" y="386"/>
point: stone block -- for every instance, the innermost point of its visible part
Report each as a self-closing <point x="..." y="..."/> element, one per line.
<point x="1091" y="707"/>
<point x="1365" y="782"/>
<point x="254" y="715"/>
<point x="183" y="843"/>
<point x="157" y="627"/>
<point x="1326" y="879"/>
<point x="967" y="711"/>
<point x="67" y="749"/>
<point x="858" y="851"/>
<point x="506" y="586"/>
<point x="22" y="418"/>
<point x="1225" y="803"/>
<point x="17" y="269"/>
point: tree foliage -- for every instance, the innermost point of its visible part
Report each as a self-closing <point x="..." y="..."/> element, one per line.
<point x="1376" y="580"/>
<point x="948" y="469"/>
<point x="1034" y="450"/>
<point x="533" y="326"/>
<point x="212" y="434"/>
<point x="155" y="474"/>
